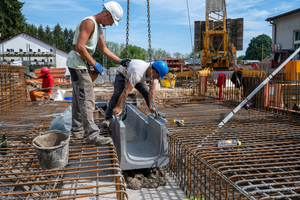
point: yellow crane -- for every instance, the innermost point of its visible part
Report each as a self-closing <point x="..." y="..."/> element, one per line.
<point x="217" y="52"/>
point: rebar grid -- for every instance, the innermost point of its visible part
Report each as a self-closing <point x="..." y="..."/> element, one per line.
<point x="92" y="172"/>
<point x="12" y="86"/>
<point x="265" y="166"/>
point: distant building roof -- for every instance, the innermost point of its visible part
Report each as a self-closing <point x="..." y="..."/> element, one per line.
<point x="282" y="15"/>
<point x="32" y="37"/>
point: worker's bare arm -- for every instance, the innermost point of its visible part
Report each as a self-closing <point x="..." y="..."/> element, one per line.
<point x="105" y="51"/>
<point x="149" y="96"/>
<point x="117" y="109"/>
<point x="86" y="30"/>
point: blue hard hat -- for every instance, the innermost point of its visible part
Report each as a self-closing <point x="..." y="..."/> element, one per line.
<point x="161" y="67"/>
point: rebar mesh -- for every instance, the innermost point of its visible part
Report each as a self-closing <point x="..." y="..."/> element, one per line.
<point x="265" y="166"/>
<point x="12" y="86"/>
<point x="91" y="172"/>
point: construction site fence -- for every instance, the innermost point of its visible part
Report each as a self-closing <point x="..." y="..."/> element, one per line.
<point x="281" y="95"/>
<point x="12" y="86"/>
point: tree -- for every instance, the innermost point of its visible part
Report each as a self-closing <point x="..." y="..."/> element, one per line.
<point x="178" y="55"/>
<point x="254" y="50"/>
<point x="159" y="53"/>
<point x="57" y="37"/>
<point x="134" y="52"/>
<point x="12" y="20"/>
<point x="48" y="35"/>
<point x="68" y="36"/>
<point x="115" y="47"/>
<point x="32" y="30"/>
<point x="41" y="33"/>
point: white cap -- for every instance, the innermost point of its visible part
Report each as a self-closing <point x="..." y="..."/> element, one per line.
<point x="115" y="10"/>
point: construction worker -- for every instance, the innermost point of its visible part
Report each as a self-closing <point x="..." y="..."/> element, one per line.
<point x="138" y="72"/>
<point x="88" y="35"/>
<point x="47" y="85"/>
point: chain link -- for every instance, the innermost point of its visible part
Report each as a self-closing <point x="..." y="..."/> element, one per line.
<point x="150" y="56"/>
<point x="150" y="59"/>
<point x="126" y="68"/>
<point x="127" y="29"/>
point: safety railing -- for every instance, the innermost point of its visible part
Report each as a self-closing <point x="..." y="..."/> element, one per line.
<point x="281" y="95"/>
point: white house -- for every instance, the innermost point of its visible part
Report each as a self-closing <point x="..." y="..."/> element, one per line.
<point x="32" y="52"/>
<point x="286" y="30"/>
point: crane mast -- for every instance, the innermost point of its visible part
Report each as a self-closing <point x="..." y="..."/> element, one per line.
<point x="217" y="53"/>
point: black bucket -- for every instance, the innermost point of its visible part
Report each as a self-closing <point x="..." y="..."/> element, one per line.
<point x="52" y="149"/>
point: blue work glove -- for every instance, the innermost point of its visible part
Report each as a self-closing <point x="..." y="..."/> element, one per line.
<point x="125" y="62"/>
<point x="98" y="67"/>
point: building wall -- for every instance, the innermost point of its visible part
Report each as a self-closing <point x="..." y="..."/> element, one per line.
<point x="61" y="59"/>
<point x="285" y="30"/>
<point x="26" y="42"/>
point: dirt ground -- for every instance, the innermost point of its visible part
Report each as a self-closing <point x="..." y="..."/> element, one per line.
<point x="145" y="178"/>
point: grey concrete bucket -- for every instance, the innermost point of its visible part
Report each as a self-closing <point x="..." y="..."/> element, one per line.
<point x="52" y="149"/>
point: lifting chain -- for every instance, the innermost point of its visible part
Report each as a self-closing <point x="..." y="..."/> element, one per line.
<point x="150" y="57"/>
<point x="126" y="68"/>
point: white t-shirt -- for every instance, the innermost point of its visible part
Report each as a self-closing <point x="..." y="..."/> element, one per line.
<point x="136" y="71"/>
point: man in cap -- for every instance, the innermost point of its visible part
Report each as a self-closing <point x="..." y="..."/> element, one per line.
<point x="88" y="35"/>
<point x="138" y="72"/>
<point x="47" y="85"/>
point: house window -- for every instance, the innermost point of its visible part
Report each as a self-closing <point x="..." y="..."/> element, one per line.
<point x="296" y="39"/>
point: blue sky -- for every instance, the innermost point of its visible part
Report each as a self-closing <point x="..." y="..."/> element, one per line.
<point x="170" y="28"/>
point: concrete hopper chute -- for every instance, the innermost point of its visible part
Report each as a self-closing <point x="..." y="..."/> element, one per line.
<point x="140" y="141"/>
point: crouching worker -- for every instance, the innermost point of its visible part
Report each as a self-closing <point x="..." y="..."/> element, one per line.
<point x="138" y="72"/>
<point x="47" y="85"/>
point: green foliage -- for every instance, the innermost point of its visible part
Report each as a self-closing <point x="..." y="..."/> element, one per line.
<point x="113" y="47"/>
<point x="48" y="35"/>
<point x="178" y="55"/>
<point x="32" y="30"/>
<point x="12" y="21"/>
<point x="41" y="33"/>
<point x="58" y="37"/>
<point x="159" y="53"/>
<point x="254" y="50"/>
<point x="61" y="38"/>
<point x="134" y="52"/>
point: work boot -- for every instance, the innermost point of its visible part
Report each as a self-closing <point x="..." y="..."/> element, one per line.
<point x="99" y="140"/>
<point x="105" y="123"/>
